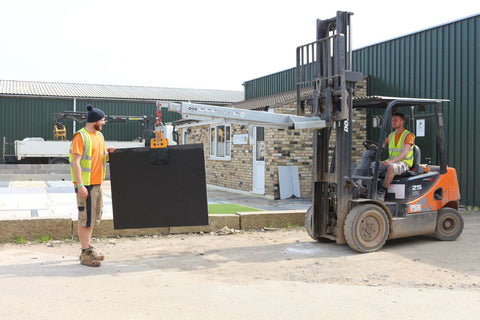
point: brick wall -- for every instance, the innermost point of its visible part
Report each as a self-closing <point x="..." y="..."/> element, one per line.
<point x="235" y="173"/>
<point x="294" y="147"/>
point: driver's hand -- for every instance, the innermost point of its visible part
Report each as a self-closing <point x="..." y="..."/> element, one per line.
<point x="374" y="146"/>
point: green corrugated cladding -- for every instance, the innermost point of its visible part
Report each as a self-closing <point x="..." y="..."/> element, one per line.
<point x="272" y="84"/>
<point x="21" y="117"/>
<point x="443" y="62"/>
<point x="35" y="117"/>
<point x="125" y="131"/>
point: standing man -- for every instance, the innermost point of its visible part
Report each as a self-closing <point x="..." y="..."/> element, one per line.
<point x="88" y="158"/>
<point x="400" y="151"/>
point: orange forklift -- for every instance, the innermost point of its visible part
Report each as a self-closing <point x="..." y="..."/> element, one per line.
<point x="345" y="205"/>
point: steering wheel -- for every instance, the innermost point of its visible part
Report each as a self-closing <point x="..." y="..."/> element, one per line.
<point x="368" y="144"/>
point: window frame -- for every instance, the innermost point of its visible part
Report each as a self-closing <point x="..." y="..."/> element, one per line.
<point x="214" y="142"/>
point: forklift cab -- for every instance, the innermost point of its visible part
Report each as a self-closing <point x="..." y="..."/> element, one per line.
<point x="389" y="104"/>
<point x="419" y="202"/>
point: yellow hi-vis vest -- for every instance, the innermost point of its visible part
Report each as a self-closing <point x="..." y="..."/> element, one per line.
<point x="86" y="160"/>
<point x="394" y="150"/>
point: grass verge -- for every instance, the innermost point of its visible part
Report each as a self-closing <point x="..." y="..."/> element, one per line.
<point x="228" y="208"/>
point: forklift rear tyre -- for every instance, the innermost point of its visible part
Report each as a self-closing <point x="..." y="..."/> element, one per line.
<point x="449" y="224"/>
<point x="366" y="228"/>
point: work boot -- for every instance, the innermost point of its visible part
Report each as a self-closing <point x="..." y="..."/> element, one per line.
<point x="97" y="256"/>
<point x="87" y="259"/>
<point x="381" y="193"/>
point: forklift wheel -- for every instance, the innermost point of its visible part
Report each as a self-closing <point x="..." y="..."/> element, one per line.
<point x="449" y="224"/>
<point x="309" y="225"/>
<point x="366" y="228"/>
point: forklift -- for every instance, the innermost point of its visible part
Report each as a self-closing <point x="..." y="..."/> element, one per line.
<point x="345" y="205"/>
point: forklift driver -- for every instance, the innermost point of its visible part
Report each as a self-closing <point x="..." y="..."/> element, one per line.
<point x="400" y="152"/>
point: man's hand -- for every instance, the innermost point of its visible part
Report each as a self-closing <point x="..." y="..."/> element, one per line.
<point x="83" y="192"/>
<point x="111" y="149"/>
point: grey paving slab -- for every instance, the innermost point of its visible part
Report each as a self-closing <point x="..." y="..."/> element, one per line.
<point x="60" y="184"/>
<point x="15" y="214"/>
<point x="65" y="211"/>
<point x="60" y="190"/>
<point x="29" y="190"/>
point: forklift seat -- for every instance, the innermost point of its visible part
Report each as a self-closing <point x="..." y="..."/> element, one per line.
<point x="416" y="168"/>
<point x="417" y="157"/>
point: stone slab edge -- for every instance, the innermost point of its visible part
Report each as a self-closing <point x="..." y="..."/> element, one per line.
<point x="65" y="228"/>
<point x="33" y="228"/>
<point x="272" y="219"/>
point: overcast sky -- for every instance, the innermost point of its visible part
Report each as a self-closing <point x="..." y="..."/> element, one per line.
<point x="206" y="44"/>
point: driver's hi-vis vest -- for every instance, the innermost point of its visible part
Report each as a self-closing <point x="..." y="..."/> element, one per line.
<point x="86" y="160"/>
<point x="394" y="150"/>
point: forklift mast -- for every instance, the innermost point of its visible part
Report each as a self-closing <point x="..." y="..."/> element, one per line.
<point x="325" y="89"/>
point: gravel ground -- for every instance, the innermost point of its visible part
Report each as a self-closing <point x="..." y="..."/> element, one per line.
<point x="277" y="274"/>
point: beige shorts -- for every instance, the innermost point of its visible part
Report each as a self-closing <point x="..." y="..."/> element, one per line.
<point x="90" y="209"/>
<point x="398" y="168"/>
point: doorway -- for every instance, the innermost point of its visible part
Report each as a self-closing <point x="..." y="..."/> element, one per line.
<point x="259" y="160"/>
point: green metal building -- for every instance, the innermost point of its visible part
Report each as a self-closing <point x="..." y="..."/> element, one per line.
<point x="29" y="109"/>
<point x="440" y="62"/>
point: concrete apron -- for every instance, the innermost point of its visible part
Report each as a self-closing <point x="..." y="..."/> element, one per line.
<point x="31" y="228"/>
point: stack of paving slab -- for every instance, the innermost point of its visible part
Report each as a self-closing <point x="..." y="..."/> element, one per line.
<point x="36" y="172"/>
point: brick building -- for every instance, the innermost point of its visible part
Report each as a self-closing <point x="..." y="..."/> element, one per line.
<point x="248" y="158"/>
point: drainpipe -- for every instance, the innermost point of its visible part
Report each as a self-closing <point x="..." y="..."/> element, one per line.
<point x="74" y="110"/>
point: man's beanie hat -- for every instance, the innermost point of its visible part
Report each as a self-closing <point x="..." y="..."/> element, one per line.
<point x="94" y="114"/>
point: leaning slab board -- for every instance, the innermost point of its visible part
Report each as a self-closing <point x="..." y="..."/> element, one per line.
<point x="159" y="187"/>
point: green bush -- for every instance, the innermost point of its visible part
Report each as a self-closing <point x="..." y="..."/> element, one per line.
<point x="43" y="238"/>
<point x="19" y="240"/>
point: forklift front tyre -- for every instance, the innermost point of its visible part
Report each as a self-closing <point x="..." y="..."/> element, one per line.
<point x="366" y="228"/>
<point x="449" y="224"/>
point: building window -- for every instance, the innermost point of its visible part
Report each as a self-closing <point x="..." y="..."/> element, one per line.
<point x="220" y="142"/>
<point x="186" y="135"/>
<point x="260" y="144"/>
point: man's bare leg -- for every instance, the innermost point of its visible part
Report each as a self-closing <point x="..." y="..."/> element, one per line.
<point x="85" y="234"/>
<point x="388" y="177"/>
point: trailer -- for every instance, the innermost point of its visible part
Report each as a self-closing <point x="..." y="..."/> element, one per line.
<point x="33" y="150"/>
<point x="39" y="150"/>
